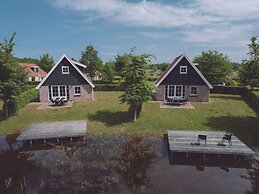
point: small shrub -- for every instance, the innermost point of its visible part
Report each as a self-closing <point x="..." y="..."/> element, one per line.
<point x="21" y="100"/>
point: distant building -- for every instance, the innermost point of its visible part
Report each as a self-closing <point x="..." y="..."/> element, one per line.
<point x="34" y="72"/>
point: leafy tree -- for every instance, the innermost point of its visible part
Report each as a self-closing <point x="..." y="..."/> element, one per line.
<point x="120" y="62"/>
<point x="161" y="66"/>
<point x="91" y="59"/>
<point x="215" y="66"/>
<point x="12" y="76"/>
<point x="46" y="62"/>
<point x="249" y="73"/>
<point x="16" y="60"/>
<point x="138" y="89"/>
<point x="108" y="71"/>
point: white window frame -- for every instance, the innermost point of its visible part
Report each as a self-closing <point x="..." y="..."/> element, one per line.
<point x="59" y="96"/>
<point x="174" y="94"/>
<point x="77" y="94"/>
<point x="65" y="67"/>
<point x="191" y="91"/>
<point x="183" y="72"/>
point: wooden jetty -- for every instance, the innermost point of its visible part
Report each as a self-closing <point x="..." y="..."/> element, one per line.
<point x="54" y="130"/>
<point x="185" y="142"/>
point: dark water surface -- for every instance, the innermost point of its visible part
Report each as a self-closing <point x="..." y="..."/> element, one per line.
<point x="118" y="164"/>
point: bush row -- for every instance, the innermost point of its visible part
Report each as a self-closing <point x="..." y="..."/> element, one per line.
<point x="248" y="95"/>
<point x="21" y="100"/>
<point x="109" y="87"/>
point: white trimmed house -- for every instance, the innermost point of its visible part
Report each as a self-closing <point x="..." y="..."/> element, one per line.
<point x="67" y="80"/>
<point x="182" y="79"/>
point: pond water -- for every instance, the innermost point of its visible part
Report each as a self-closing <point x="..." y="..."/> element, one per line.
<point x="118" y="164"/>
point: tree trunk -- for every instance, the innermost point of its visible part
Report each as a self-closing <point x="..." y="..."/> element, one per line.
<point x="135" y="112"/>
<point x="5" y="107"/>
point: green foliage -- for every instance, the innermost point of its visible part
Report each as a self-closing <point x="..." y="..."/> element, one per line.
<point x="160" y="66"/>
<point x="215" y="66"/>
<point x="108" y="71"/>
<point x="109" y="87"/>
<point x="12" y="76"/>
<point x="21" y="100"/>
<point x="90" y="58"/>
<point x="46" y="62"/>
<point x="121" y="61"/>
<point x="16" y="60"/>
<point x="251" y="97"/>
<point x="138" y="89"/>
<point x="249" y="73"/>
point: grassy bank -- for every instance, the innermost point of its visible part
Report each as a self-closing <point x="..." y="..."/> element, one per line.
<point x="105" y="115"/>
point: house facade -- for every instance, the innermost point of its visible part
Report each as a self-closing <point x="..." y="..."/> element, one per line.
<point x="34" y="72"/>
<point x="67" y="80"/>
<point x="182" y="79"/>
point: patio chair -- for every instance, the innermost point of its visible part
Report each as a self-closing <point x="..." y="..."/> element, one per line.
<point x="227" y="137"/>
<point x="202" y="138"/>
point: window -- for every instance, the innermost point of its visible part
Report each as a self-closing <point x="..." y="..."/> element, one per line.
<point x="193" y="91"/>
<point x="183" y="69"/>
<point x="175" y="91"/>
<point x="58" y="92"/>
<point x="62" y="90"/>
<point x="55" y="92"/>
<point x="35" y="69"/>
<point x="65" y="70"/>
<point x="77" y="91"/>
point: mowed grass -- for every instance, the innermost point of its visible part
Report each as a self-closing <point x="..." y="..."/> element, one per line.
<point x="105" y="115"/>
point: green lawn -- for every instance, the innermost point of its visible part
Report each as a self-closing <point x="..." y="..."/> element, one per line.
<point x="105" y="115"/>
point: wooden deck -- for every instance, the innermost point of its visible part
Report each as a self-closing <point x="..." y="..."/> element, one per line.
<point x="51" y="130"/>
<point x="180" y="142"/>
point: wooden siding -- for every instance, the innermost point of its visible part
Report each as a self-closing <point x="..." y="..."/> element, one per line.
<point x="57" y="78"/>
<point x="180" y="142"/>
<point x="191" y="78"/>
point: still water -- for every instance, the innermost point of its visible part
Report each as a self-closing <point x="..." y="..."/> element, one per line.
<point x="118" y="164"/>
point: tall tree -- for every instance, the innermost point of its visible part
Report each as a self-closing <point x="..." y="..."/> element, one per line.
<point x="12" y="76"/>
<point x="249" y="73"/>
<point x="121" y="61"/>
<point x="90" y="58"/>
<point x="46" y="62"/>
<point x="138" y="89"/>
<point x="215" y="66"/>
<point x="108" y="71"/>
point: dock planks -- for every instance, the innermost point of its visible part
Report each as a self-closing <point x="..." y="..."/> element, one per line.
<point x="180" y="141"/>
<point x="50" y="130"/>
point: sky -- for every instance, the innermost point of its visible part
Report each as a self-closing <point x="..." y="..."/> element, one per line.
<point x="164" y="28"/>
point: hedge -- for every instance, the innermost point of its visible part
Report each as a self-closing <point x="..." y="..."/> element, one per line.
<point x="248" y="95"/>
<point x="21" y="100"/>
<point x="109" y="87"/>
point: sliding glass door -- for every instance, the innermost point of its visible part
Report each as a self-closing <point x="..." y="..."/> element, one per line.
<point x="175" y="91"/>
<point x="58" y="92"/>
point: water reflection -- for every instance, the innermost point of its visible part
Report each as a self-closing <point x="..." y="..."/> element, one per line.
<point x="118" y="164"/>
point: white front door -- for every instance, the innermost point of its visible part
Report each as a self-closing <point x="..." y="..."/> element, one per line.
<point x="58" y="92"/>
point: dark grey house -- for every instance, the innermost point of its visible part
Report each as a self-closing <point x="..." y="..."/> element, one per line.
<point x="67" y="80"/>
<point x="182" y="79"/>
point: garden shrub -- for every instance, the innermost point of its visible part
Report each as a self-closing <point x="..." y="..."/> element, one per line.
<point x="21" y="100"/>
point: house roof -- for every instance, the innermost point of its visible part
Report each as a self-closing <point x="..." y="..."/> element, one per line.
<point x="174" y="64"/>
<point x="79" y="64"/>
<point x="31" y="73"/>
<point x="73" y="63"/>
